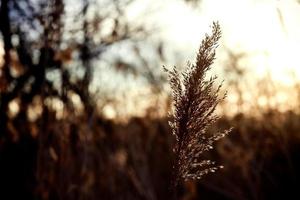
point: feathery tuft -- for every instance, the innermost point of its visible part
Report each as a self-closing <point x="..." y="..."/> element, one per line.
<point x="194" y="102"/>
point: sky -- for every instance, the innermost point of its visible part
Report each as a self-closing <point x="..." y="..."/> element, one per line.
<point x="267" y="30"/>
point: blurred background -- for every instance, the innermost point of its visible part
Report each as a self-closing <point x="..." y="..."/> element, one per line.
<point x="84" y="101"/>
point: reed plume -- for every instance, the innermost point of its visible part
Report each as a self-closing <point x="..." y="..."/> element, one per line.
<point x="194" y="101"/>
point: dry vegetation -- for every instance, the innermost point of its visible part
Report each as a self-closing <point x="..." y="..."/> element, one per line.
<point x="133" y="161"/>
<point x="52" y="148"/>
<point x="195" y="100"/>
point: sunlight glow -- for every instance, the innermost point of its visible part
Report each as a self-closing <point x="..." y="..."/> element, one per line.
<point x="268" y="29"/>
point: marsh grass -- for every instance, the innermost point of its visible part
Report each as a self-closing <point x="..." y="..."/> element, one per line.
<point x="195" y="99"/>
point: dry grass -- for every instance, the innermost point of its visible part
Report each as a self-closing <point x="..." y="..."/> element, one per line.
<point x="195" y="100"/>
